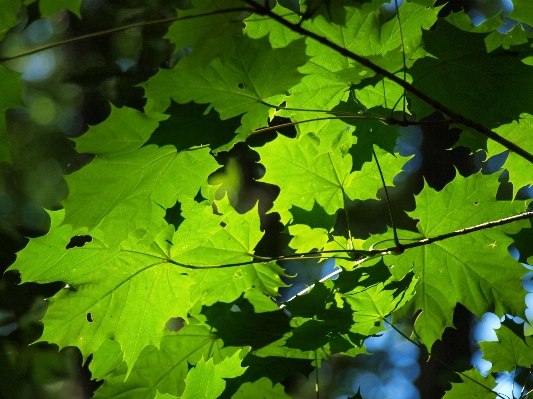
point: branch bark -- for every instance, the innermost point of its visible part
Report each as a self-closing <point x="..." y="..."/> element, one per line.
<point x="456" y="117"/>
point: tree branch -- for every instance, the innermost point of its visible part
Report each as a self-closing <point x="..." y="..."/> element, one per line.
<point x="119" y="29"/>
<point x="467" y="230"/>
<point x="456" y="117"/>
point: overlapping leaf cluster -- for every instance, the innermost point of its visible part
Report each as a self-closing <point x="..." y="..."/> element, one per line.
<point x="136" y="271"/>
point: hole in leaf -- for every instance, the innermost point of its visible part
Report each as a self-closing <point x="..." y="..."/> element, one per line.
<point x="90" y="317"/>
<point x="223" y="224"/>
<point x="240" y="86"/>
<point x="215" y="209"/>
<point x="175" y="324"/>
<point x="78" y="241"/>
<point x="199" y="197"/>
<point x="476" y="203"/>
<point x="173" y="215"/>
<point x="377" y="324"/>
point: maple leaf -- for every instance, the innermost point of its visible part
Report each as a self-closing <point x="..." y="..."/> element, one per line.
<point x="475" y="270"/>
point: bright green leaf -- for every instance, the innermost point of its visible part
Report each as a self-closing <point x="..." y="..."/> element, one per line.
<point x="474" y="385"/>
<point x="475" y="269"/>
<point x="257" y="26"/>
<point x="522" y="11"/>
<point x="124" y="131"/>
<point x="511" y="350"/>
<point x="167" y="367"/>
<point x="149" y="172"/>
<point x="246" y="90"/>
<point x="207" y="380"/>
<point x="306" y="239"/>
<point x="305" y="175"/>
<point x="519" y="133"/>
<point x="261" y="389"/>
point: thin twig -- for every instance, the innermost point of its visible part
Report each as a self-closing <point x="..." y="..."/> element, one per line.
<point x="456" y="117"/>
<point x="399" y="247"/>
<point x="351" y="246"/>
<point x="386" y="121"/>
<point x="467" y="230"/>
<point x="363" y="255"/>
<point x="527" y="379"/>
<point x="403" y="55"/>
<point x="119" y="29"/>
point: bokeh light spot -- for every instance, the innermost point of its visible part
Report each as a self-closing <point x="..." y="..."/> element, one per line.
<point x="40" y="31"/>
<point x="43" y="110"/>
<point x="39" y="66"/>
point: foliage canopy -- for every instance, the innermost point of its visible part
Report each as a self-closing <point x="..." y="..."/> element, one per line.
<point x="345" y="75"/>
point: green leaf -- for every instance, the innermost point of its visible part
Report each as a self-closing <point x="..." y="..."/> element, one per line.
<point x="472" y="139"/>
<point x="192" y="125"/>
<point x="124" y="131"/>
<point x="475" y="269"/>
<point x="519" y="133"/>
<point x="51" y="7"/>
<point x="306" y="239"/>
<point x="261" y="389"/>
<point x="227" y="284"/>
<point x="206" y="239"/>
<point x="463" y="21"/>
<point x="317" y="217"/>
<point x="149" y="172"/>
<point x="241" y="326"/>
<point x="164" y="396"/>
<point x="490" y="89"/>
<point x="210" y="37"/>
<point x="264" y="372"/>
<point x="511" y="350"/>
<point x="513" y="38"/>
<point x="474" y="385"/>
<point x="355" y="28"/>
<point x="106" y="359"/>
<point x="8" y="16"/>
<point x="96" y="301"/>
<point x="261" y="302"/>
<point x="278" y="348"/>
<point x="368" y="130"/>
<point x="246" y="90"/>
<point x="522" y="242"/>
<point x="385" y="93"/>
<point x="373" y="304"/>
<point x="206" y="379"/>
<point x="164" y="370"/>
<point x="257" y="26"/>
<point x="330" y="323"/>
<point x="112" y="291"/>
<point x="522" y="11"/>
<point x="276" y="369"/>
<point x="305" y="175"/>
<point x="414" y="17"/>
